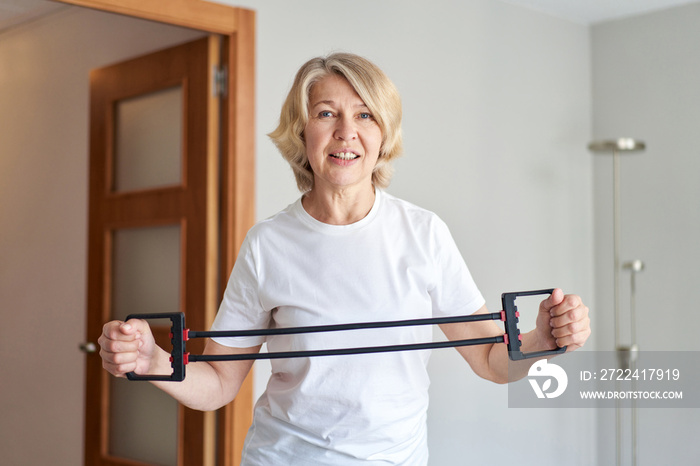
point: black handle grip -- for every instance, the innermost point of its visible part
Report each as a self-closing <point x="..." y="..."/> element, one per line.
<point x="177" y="354"/>
<point x="511" y="324"/>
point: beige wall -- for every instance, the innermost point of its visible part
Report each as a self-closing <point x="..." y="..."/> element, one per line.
<point x="44" y="68"/>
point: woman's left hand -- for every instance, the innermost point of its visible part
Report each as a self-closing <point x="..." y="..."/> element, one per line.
<point x="563" y="321"/>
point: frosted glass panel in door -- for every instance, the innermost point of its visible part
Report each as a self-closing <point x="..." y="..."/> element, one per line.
<point x="146" y="271"/>
<point x="148" y="141"/>
<point x="143" y="423"/>
<point x="143" y="420"/>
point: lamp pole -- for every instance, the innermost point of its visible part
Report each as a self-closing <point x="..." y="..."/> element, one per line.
<point x="626" y="354"/>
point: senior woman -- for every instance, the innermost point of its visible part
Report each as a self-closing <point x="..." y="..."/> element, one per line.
<point x="346" y="251"/>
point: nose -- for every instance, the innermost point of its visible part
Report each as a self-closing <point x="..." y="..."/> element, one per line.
<point x="345" y="129"/>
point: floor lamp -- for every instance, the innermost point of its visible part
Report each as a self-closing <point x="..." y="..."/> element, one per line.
<point x="626" y="354"/>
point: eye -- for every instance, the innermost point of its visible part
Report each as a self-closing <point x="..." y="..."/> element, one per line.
<point x="325" y="114"/>
<point x="365" y="116"/>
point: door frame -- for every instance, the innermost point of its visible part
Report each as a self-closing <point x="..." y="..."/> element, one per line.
<point x="237" y="206"/>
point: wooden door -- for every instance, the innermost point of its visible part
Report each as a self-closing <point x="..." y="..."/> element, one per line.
<point x="153" y="239"/>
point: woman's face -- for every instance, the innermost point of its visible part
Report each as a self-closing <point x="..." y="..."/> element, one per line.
<point x="342" y="138"/>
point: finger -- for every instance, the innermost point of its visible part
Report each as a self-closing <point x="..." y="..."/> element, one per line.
<point x="570" y="329"/>
<point x="117" y="330"/>
<point x="567" y="303"/>
<point x="119" y="346"/>
<point x="553" y="300"/>
<point x="119" y="370"/>
<point x="576" y="314"/>
<point x="136" y="327"/>
<point x="574" y="340"/>
<point x="118" y="337"/>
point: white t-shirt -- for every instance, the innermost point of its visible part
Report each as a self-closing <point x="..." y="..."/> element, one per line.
<point x="399" y="262"/>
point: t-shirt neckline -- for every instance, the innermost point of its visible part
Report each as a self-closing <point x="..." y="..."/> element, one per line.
<point x="317" y="225"/>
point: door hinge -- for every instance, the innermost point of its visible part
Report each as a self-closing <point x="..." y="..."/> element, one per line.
<point x="220" y="84"/>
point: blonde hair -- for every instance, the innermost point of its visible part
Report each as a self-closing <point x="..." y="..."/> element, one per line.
<point x="374" y="88"/>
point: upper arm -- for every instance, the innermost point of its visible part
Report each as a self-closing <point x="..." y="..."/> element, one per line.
<point x="477" y="355"/>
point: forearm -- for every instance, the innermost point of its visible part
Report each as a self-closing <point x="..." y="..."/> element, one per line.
<point x="561" y="321"/>
<point x="502" y="369"/>
<point x="207" y="385"/>
<point x="200" y="390"/>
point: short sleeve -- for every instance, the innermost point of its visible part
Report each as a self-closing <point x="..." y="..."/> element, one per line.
<point x="241" y="308"/>
<point x="454" y="291"/>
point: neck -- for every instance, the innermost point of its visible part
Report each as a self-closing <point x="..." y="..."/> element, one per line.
<point x="340" y="207"/>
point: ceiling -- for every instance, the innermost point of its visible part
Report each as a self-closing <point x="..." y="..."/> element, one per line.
<point x="595" y="11"/>
<point x="14" y="12"/>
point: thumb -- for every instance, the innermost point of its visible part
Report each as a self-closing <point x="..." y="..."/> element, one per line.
<point x="134" y="327"/>
<point x="127" y="328"/>
<point x="554" y="299"/>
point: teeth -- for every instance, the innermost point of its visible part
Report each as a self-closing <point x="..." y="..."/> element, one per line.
<point x="345" y="155"/>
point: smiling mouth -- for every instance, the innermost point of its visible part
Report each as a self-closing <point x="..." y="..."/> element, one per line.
<point x="345" y="156"/>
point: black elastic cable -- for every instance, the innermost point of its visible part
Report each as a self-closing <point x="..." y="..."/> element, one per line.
<point x="344" y="351"/>
<point x="339" y="327"/>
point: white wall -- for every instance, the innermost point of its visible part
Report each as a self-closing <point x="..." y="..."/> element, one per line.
<point x="645" y="85"/>
<point x="43" y="221"/>
<point x="497" y="119"/>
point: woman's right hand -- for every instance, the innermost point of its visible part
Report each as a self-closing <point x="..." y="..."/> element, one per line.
<point x="127" y="347"/>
